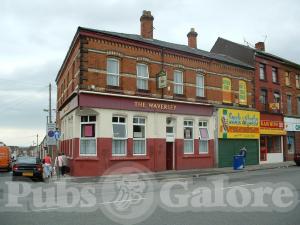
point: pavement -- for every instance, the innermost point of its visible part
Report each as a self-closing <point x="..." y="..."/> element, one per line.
<point x="178" y="174"/>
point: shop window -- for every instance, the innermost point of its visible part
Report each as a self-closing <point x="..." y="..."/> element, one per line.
<point x="291" y="144"/>
<point x="274" y="144"/>
<point x="188" y="128"/>
<point x="203" y="137"/>
<point x="178" y="82"/>
<point x="113" y="73"/>
<point x="274" y="75"/>
<point x="142" y="76"/>
<point x="88" y="135"/>
<point x="262" y="71"/>
<point x="139" y="137"/>
<point x="200" y="85"/>
<point x="119" y="143"/>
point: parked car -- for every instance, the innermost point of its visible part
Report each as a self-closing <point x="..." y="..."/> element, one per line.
<point x="5" y="157"/>
<point x="297" y="158"/>
<point x="28" y="167"/>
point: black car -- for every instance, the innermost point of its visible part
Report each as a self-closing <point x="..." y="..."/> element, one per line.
<point x="28" y="167"/>
<point x="297" y="158"/>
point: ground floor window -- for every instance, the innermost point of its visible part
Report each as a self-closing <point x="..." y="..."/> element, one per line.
<point x="188" y="137"/>
<point x="119" y="143"/>
<point x="291" y="143"/>
<point x="274" y="144"/>
<point x="139" y="137"/>
<point x="203" y="137"/>
<point x="88" y="135"/>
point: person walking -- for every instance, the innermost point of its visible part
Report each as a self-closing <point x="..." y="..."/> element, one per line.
<point x="47" y="165"/>
<point x="64" y="164"/>
<point x="58" y="164"/>
<point x="243" y="152"/>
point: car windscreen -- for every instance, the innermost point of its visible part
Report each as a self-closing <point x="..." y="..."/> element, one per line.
<point x="27" y="160"/>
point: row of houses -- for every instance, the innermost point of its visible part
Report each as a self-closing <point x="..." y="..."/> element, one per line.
<point x="127" y="97"/>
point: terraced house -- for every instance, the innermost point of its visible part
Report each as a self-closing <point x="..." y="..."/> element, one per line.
<point x="128" y="97"/>
<point x="277" y="95"/>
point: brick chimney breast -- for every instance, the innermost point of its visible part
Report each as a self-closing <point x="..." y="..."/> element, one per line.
<point x="260" y="46"/>
<point x="192" y="38"/>
<point x="147" y="25"/>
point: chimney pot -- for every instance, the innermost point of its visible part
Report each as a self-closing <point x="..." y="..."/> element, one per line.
<point x="192" y="38"/>
<point x="147" y="24"/>
<point x="260" y="46"/>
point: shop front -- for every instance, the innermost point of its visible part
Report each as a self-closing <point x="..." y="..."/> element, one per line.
<point x="158" y="134"/>
<point x="271" y="138"/>
<point x="237" y="129"/>
<point x="292" y="139"/>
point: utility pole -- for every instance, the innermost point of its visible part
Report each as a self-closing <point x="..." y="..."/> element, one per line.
<point x="50" y="108"/>
<point x="37" y="144"/>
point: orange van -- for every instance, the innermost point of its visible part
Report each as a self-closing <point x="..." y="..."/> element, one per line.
<point x="5" y="157"/>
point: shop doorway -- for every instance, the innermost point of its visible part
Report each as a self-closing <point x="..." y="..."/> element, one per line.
<point x="263" y="148"/>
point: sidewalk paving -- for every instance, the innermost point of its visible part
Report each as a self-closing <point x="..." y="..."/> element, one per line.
<point x="177" y="174"/>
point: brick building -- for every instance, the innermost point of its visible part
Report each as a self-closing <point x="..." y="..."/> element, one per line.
<point x="127" y="97"/>
<point x="276" y="97"/>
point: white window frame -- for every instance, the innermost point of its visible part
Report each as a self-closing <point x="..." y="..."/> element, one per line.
<point x="141" y="77"/>
<point x="178" y="87"/>
<point x="275" y="74"/>
<point x="191" y="139"/>
<point x="262" y="68"/>
<point x="203" y="124"/>
<point x="88" y="138"/>
<point x="113" y="74"/>
<point x="139" y="139"/>
<point x="117" y="138"/>
<point x="200" y="89"/>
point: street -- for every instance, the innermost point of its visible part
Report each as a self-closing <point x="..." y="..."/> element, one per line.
<point x="99" y="195"/>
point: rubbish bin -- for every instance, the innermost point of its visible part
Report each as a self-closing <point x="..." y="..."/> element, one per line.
<point x="238" y="162"/>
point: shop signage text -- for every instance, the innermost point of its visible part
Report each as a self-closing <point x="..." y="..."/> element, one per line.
<point x="238" y="124"/>
<point x="156" y="106"/>
<point x="274" y="127"/>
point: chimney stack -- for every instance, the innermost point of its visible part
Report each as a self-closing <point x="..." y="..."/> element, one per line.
<point x="192" y="38"/>
<point x="147" y="25"/>
<point x="260" y="46"/>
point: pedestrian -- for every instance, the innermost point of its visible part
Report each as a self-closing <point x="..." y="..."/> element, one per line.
<point x="243" y="152"/>
<point x="47" y="165"/>
<point x="64" y="164"/>
<point x="58" y="164"/>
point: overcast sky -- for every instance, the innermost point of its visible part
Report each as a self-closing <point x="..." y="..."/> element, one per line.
<point x="35" y="37"/>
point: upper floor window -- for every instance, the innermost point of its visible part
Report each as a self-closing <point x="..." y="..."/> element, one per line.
<point x="200" y="85"/>
<point x="142" y="76"/>
<point x="298" y="105"/>
<point x="263" y="98"/>
<point x="289" y="104"/>
<point x="88" y="135"/>
<point x="139" y="136"/>
<point x="203" y="137"/>
<point x="297" y="81"/>
<point x="188" y="130"/>
<point x="262" y="71"/>
<point x="226" y="89"/>
<point x="287" y="78"/>
<point x="242" y="92"/>
<point x="276" y="97"/>
<point x="178" y="82"/>
<point x="274" y="75"/>
<point x="119" y="143"/>
<point x="113" y="72"/>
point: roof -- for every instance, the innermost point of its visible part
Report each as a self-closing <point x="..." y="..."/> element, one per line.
<point x="183" y="48"/>
<point x="178" y="47"/>
<point x="245" y="53"/>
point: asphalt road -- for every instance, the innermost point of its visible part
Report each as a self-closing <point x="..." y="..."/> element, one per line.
<point x="168" y="202"/>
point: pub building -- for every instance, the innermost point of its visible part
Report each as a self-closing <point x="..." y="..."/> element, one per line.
<point x="132" y="98"/>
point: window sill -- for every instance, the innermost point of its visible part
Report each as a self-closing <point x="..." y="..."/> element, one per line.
<point x="124" y="158"/>
<point x="115" y="89"/>
<point x="87" y="158"/>
<point x="143" y="92"/>
<point x="201" y="155"/>
<point x="179" y="96"/>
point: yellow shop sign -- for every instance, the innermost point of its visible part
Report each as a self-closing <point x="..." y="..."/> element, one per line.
<point x="238" y="124"/>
